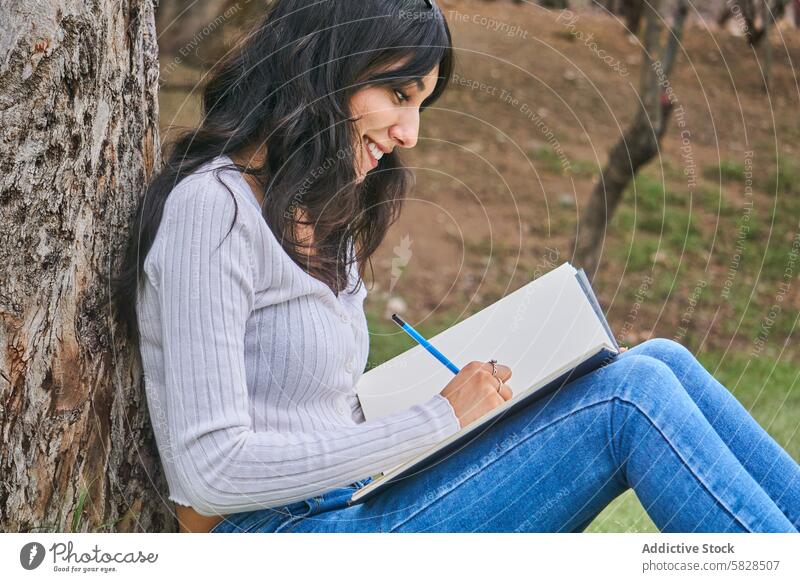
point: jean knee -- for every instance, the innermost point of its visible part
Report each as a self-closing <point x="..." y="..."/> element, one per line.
<point x="664" y="349"/>
<point x="642" y="379"/>
<point x="676" y="356"/>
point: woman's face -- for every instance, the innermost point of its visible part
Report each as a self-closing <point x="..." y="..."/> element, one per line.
<point x="387" y="120"/>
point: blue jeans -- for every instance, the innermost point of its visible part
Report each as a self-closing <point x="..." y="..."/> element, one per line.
<point x="653" y="420"/>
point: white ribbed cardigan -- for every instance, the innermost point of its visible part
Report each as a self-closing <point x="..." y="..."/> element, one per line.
<point x="250" y="363"/>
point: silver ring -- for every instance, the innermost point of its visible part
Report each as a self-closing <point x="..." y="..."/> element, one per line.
<point x="494" y="373"/>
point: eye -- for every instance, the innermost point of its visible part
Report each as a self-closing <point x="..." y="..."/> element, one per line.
<point x="402" y="96"/>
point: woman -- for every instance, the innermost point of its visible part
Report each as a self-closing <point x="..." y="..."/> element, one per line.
<point x="248" y="243"/>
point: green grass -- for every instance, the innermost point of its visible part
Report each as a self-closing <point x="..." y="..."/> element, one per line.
<point x="650" y="207"/>
<point x="651" y="218"/>
<point x="783" y="177"/>
<point x="726" y="171"/>
<point x="764" y="260"/>
<point x="78" y="518"/>
<point x="715" y="201"/>
<point x="547" y="160"/>
<point x="640" y="257"/>
<point x="585" y="168"/>
<point x="681" y="228"/>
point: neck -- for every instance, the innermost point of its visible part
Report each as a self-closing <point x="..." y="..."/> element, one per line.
<point x="254" y="157"/>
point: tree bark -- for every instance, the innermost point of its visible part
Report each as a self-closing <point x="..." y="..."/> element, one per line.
<point x="639" y="143"/>
<point x="79" y="141"/>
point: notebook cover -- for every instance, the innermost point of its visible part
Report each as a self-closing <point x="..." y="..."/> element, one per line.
<point x="580" y="275"/>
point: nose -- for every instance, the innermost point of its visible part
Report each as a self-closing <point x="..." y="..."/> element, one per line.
<point x="406" y="130"/>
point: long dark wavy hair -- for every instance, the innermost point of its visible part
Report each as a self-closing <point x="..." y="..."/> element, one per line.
<point x="287" y="86"/>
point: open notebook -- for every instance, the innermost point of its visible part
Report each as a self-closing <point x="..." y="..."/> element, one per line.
<point x="549" y="332"/>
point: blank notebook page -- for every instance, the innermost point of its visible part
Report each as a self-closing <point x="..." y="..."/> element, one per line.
<point x="535" y="330"/>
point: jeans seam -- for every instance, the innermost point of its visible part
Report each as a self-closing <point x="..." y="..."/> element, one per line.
<point x="612" y="447"/>
<point x="294" y="519"/>
<point x="684" y="462"/>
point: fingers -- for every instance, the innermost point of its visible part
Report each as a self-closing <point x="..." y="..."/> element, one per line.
<point x="506" y="392"/>
<point x="503" y="372"/>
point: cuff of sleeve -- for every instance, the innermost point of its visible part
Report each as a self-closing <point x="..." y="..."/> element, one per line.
<point x="444" y="410"/>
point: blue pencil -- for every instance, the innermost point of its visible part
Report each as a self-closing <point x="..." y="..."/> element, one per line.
<point x="425" y="343"/>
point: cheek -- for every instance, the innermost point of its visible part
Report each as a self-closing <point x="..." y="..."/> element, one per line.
<point x="372" y="107"/>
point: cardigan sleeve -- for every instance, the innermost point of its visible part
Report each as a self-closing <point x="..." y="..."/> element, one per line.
<point x="206" y="293"/>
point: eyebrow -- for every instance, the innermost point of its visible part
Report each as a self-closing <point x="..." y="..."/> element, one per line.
<point x="418" y="82"/>
<point x="421" y="85"/>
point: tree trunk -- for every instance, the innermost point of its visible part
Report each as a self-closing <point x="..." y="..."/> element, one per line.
<point x="762" y="12"/>
<point x="766" y="49"/>
<point x="554" y="3"/>
<point x="640" y="141"/>
<point x="78" y="111"/>
<point x="610" y="6"/>
<point x="632" y="10"/>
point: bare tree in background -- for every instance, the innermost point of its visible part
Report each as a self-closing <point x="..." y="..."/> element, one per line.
<point x="629" y="10"/>
<point x="755" y="17"/>
<point x="640" y="142"/>
<point x="79" y="111"/>
<point x="554" y="3"/>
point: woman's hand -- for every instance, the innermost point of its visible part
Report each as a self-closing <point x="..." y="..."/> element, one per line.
<point x="474" y="391"/>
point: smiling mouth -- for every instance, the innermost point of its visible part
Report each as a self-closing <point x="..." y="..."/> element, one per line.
<point x="375" y="153"/>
